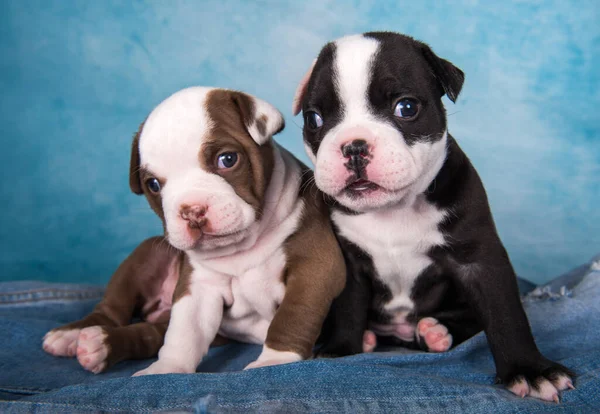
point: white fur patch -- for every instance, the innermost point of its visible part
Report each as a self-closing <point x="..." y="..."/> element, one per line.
<point x="546" y="390"/>
<point x="269" y="357"/>
<point x="353" y="59"/>
<point x="274" y="121"/>
<point x="195" y="320"/>
<point x="61" y="342"/>
<point x="398" y="240"/>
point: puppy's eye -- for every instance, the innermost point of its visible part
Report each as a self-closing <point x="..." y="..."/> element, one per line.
<point x="153" y="185"/>
<point x="314" y="120"/>
<point x="406" y="108"/>
<point x="227" y="160"/>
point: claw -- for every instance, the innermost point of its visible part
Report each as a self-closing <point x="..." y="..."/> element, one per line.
<point x="556" y="399"/>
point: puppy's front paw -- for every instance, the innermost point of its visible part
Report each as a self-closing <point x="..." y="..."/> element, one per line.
<point x="269" y="357"/>
<point x="434" y="335"/>
<point x="544" y="383"/>
<point x="164" y="367"/>
<point x="369" y="341"/>
<point x="60" y="342"/>
<point x="92" y="349"/>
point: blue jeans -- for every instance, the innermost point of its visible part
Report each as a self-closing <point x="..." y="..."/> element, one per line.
<point x="565" y="317"/>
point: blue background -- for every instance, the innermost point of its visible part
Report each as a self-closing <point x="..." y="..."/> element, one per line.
<point x="77" y="77"/>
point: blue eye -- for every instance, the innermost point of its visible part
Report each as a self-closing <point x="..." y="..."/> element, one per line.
<point x="227" y="160"/>
<point x="153" y="185"/>
<point x="314" y="120"/>
<point x="406" y="108"/>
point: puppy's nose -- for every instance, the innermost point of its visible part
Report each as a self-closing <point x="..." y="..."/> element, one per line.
<point x="194" y="215"/>
<point x="356" y="148"/>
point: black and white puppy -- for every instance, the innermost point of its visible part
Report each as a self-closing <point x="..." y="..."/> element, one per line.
<point x="427" y="267"/>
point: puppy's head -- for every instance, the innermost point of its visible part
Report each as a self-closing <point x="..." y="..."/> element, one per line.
<point x="374" y="122"/>
<point x="203" y="158"/>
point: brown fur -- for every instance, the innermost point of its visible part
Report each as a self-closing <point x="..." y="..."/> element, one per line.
<point x="315" y="275"/>
<point x="231" y="113"/>
<point x="261" y="124"/>
<point x="137" y="341"/>
<point x="135" y="182"/>
<point x="183" y="283"/>
<point x="136" y="279"/>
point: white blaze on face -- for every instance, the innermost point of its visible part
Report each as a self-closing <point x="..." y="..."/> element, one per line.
<point x="170" y="145"/>
<point x="394" y="166"/>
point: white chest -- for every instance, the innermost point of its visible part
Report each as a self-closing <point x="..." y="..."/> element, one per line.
<point x="251" y="296"/>
<point x="398" y="240"/>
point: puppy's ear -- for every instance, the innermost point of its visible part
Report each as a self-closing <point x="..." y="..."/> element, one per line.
<point x="450" y="77"/>
<point x="301" y="90"/>
<point x="135" y="181"/>
<point x="261" y="119"/>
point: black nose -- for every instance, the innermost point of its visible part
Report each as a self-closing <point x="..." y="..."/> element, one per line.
<point x="356" y="148"/>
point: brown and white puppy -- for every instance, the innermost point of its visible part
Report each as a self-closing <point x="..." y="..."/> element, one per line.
<point x="255" y="257"/>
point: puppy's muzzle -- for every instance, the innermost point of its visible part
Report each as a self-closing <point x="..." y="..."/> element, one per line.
<point x="357" y="153"/>
<point x="194" y="215"/>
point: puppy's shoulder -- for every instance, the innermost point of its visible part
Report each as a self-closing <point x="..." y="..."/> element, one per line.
<point x="314" y="242"/>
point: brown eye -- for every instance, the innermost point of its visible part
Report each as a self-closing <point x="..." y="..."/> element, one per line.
<point x="153" y="185"/>
<point x="227" y="160"/>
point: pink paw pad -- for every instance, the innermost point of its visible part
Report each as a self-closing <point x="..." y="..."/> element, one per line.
<point x="369" y="341"/>
<point x="92" y="350"/>
<point x="434" y="334"/>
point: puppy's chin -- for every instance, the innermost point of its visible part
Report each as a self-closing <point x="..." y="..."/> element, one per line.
<point x="202" y="241"/>
<point x="373" y="198"/>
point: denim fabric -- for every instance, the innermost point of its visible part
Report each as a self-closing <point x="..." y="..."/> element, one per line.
<point x="565" y="321"/>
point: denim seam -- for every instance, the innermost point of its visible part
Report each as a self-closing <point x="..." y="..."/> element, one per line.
<point x="232" y="405"/>
<point x="101" y="408"/>
<point x="25" y="390"/>
<point x="50" y="294"/>
<point x="48" y="299"/>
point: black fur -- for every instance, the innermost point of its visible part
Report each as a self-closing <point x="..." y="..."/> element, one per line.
<point x="322" y="75"/>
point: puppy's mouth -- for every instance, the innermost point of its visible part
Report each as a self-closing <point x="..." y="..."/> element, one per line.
<point x="204" y="239"/>
<point x="361" y="186"/>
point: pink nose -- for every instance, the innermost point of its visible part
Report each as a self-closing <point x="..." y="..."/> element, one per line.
<point x="194" y="215"/>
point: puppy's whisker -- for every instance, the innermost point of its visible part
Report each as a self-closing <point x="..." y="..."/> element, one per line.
<point x="294" y="122"/>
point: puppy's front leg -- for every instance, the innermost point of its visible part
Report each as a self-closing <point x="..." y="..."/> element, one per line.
<point x="195" y="320"/>
<point x="492" y="289"/>
<point x="315" y="275"/>
<point x="344" y="330"/>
